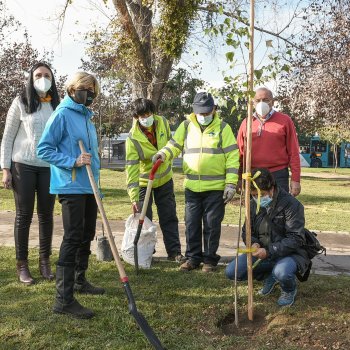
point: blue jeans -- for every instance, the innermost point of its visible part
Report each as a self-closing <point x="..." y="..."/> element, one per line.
<point x="283" y="270"/>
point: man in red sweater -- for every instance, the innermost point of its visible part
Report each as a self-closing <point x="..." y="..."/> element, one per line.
<point x="274" y="142"/>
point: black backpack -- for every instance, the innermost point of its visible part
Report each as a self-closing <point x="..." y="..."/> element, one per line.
<point x="312" y="246"/>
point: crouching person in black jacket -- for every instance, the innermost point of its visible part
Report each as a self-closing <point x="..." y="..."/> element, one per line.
<point x="278" y="239"/>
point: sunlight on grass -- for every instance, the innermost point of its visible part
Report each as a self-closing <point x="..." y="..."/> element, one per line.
<point x="325" y="200"/>
<point x="184" y="309"/>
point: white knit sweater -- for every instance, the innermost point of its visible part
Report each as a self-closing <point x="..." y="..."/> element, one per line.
<point x="22" y="134"/>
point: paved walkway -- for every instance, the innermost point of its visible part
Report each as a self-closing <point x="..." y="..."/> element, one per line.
<point x="336" y="262"/>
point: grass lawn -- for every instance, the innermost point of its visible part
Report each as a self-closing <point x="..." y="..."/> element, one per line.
<point x="188" y="311"/>
<point x="326" y="201"/>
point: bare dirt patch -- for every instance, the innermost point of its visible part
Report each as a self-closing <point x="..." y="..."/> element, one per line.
<point x="246" y="327"/>
<point x="286" y="331"/>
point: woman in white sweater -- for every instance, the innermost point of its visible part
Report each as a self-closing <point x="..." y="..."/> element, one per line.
<point x="24" y="172"/>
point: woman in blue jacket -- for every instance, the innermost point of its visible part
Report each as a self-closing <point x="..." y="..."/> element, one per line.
<point x="59" y="146"/>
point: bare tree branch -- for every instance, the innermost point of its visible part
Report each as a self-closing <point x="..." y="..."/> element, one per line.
<point x="213" y="9"/>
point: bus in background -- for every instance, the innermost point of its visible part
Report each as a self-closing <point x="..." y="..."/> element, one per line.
<point x="320" y="154"/>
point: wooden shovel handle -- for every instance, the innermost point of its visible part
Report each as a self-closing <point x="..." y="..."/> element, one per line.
<point x="120" y="266"/>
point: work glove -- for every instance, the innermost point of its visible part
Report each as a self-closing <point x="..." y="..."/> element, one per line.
<point x="158" y="155"/>
<point x="229" y="192"/>
<point x="136" y="208"/>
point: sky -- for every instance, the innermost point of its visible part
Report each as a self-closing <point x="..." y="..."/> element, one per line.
<point x="39" y="17"/>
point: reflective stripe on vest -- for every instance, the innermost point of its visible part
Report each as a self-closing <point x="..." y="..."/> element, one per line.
<point x="170" y="151"/>
<point x="133" y="184"/>
<point x="157" y="176"/>
<point x="204" y="150"/>
<point x="138" y="148"/>
<point x="132" y="162"/>
<point x="175" y="144"/>
<point x="205" y="177"/>
<point x="230" y="148"/>
<point x="217" y="150"/>
<point x="232" y="171"/>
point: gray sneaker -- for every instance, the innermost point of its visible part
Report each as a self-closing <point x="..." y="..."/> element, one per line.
<point x="287" y="298"/>
<point x="269" y="285"/>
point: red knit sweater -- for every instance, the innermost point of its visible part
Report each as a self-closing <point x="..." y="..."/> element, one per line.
<point x="277" y="146"/>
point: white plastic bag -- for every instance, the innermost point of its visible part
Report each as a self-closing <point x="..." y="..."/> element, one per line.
<point x="145" y="245"/>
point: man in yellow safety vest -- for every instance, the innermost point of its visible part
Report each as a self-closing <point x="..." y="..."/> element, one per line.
<point x="210" y="165"/>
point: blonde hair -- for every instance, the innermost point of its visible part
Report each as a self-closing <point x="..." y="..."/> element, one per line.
<point x="81" y="81"/>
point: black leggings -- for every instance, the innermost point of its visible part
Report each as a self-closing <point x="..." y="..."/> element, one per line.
<point x="26" y="180"/>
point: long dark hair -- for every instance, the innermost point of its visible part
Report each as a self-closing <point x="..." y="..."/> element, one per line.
<point x="29" y="96"/>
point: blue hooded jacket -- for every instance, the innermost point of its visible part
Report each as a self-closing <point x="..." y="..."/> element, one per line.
<point x="58" y="146"/>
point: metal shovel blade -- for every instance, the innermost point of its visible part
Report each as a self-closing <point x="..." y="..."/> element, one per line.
<point x="140" y="320"/>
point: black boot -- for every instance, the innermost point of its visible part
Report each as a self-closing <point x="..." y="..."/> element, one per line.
<point x="65" y="302"/>
<point x="81" y="284"/>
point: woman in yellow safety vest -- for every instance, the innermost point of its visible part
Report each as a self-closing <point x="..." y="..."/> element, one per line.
<point x="148" y="134"/>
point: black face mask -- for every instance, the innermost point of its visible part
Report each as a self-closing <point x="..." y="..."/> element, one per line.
<point x="84" y="97"/>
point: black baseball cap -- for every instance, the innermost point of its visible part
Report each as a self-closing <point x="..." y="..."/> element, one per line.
<point x="203" y="103"/>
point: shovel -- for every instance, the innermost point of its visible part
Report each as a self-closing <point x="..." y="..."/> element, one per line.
<point x="143" y="211"/>
<point x="140" y="320"/>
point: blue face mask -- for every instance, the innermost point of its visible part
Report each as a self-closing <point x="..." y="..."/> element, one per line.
<point x="265" y="201"/>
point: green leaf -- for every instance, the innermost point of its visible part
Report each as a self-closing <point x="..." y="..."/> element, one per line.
<point x="286" y="68"/>
<point x="258" y="73"/>
<point x="229" y="56"/>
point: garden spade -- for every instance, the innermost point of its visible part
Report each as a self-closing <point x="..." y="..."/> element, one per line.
<point x="143" y="211"/>
<point x="140" y="320"/>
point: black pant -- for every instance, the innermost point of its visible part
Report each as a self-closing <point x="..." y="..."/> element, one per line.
<point x="166" y="207"/>
<point x="26" y="180"/>
<point x="79" y="214"/>
<point x="207" y="207"/>
<point x="282" y="178"/>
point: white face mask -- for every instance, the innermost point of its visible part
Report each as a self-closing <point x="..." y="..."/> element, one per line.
<point x="42" y="85"/>
<point x="204" y="119"/>
<point x="146" y="122"/>
<point x="262" y="108"/>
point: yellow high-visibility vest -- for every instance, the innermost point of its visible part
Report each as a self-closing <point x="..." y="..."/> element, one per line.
<point x="211" y="157"/>
<point x="139" y="153"/>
